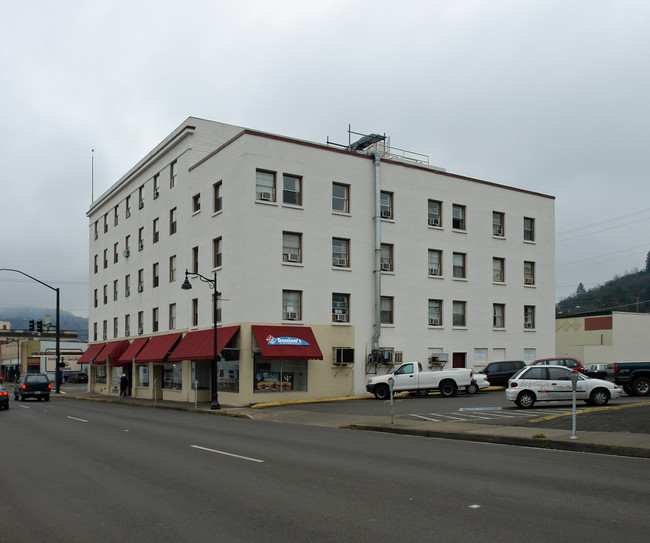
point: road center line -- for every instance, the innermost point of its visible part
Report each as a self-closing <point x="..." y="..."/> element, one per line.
<point x="227" y="454"/>
<point x="75" y="418"/>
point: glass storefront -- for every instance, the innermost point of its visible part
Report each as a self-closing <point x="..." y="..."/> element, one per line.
<point x="100" y="374"/>
<point x="143" y="375"/>
<point x="280" y="376"/>
<point x="173" y="376"/>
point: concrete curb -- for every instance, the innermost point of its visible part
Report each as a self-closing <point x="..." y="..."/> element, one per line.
<point x="542" y="443"/>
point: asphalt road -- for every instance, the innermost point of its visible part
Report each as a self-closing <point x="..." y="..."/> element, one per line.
<point x="491" y="407"/>
<point x="83" y="471"/>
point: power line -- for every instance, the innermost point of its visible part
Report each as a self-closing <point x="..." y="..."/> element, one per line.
<point x="605" y="221"/>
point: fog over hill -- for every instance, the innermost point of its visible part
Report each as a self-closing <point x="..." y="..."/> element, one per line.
<point x="19" y="319"/>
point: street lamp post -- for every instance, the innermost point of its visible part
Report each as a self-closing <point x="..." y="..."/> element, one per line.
<point x="213" y="285"/>
<point x="58" y="328"/>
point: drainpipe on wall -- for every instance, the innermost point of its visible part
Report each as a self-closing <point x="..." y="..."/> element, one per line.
<point x="377" y="270"/>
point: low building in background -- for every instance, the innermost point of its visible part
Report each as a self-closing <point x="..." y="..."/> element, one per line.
<point x="612" y="337"/>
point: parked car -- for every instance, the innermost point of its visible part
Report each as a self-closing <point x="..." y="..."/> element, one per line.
<point x="77" y="377"/>
<point x="32" y="385"/>
<point x="571" y="363"/>
<point x="597" y="371"/>
<point x="498" y="373"/>
<point x="543" y="383"/>
<point x="4" y="398"/>
<point x="481" y="383"/>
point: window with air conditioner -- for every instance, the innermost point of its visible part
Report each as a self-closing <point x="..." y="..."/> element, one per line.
<point x="386" y="257"/>
<point x="434" y="212"/>
<point x="340" y="252"/>
<point x="386" y="205"/>
<point x="265" y="185"/>
<point x="498" y="223"/>
<point x="291" y="247"/>
<point x="340" y="307"/>
<point x="291" y="304"/>
<point x="435" y="312"/>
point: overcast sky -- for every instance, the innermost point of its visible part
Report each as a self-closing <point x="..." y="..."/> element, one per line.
<point x="551" y="96"/>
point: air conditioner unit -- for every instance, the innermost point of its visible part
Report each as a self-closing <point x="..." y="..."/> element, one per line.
<point x="341" y="262"/>
<point x="127" y="332"/>
<point x="141" y="246"/>
<point x="140" y="204"/>
<point x="291" y="257"/>
<point x="140" y="287"/>
<point x="103" y="336"/>
<point x="497" y="231"/>
<point x="528" y="324"/>
<point x="140" y="331"/>
<point x="528" y="281"/>
<point x="385" y="263"/>
<point x="386" y="214"/>
<point x="265" y="196"/>
<point x="96" y="235"/>
<point x="156" y="194"/>
<point x="434" y="322"/>
<point x="434" y="271"/>
<point x="434" y="222"/>
<point x="341" y="317"/>
<point x="126" y="253"/>
<point x="291" y="315"/>
<point x="127" y="293"/>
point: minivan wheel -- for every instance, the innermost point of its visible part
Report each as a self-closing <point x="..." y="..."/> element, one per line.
<point x="526" y="399"/>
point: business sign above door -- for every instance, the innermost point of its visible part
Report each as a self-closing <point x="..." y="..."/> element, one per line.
<point x="286" y="340"/>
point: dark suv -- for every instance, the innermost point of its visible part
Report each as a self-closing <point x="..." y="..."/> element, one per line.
<point x="77" y="377"/>
<point x="498" y="373"/>
<point x="32" y="385"/>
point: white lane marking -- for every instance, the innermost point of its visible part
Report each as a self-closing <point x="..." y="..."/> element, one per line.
<point x="24" y="406"/>
<point x="474" y="506"/>
<point x="75" y="418"/>
<point x="426" y="418"/>
<point x="227" y="454"/>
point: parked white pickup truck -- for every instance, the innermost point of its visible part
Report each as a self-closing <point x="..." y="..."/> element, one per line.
<point x="409" y="377"/>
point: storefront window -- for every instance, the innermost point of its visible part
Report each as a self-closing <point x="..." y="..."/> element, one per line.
<point x="143" y="376"/>
<point x="228" y="376"/>
<point x="280" y="376"/>
<point x="100" y="374"/>
<point x="173" y="376"/>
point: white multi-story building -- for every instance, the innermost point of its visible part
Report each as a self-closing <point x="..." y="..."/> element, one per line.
<point x="315" y="243"/>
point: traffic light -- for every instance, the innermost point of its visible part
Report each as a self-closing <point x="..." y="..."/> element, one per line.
<point x="39" y="326"/>
<point x="31" y="325"/>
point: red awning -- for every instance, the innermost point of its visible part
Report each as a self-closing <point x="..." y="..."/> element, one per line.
<point x="287" y="343"/>
<point x="111" y="351"/>
<point x="131" y="351"/>
<point x="91" y="353"/>
<point x="199" y="345"/>
<point x="157" y="348"/>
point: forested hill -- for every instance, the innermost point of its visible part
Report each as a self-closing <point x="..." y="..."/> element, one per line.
<point x="630" y="292"/>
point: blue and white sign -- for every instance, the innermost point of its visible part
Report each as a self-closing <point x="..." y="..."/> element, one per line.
<point x="286" y="340"/>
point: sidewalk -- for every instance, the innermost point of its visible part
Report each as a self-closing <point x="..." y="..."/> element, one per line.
<point x="613" y="443"/>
